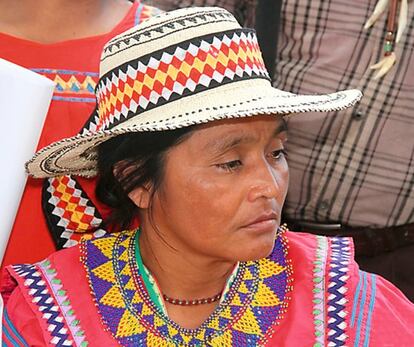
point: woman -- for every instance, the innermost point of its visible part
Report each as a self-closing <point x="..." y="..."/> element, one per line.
<point x="188" y="136"/>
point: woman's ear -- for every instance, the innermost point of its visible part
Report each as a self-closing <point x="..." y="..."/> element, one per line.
<point x="140" y="197"/>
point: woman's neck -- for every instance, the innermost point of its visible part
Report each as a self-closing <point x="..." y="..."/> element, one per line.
<point x="182" y="274"/>
<point x="46" y="21"/>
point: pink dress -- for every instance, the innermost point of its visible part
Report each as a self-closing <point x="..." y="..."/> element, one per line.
<point x="308" y="292"/>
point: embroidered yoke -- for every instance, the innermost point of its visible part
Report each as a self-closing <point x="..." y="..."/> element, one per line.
<point x="309" y="291"/>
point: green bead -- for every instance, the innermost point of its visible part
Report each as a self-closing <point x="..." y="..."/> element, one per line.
<point x="318" y="333"/>
<point x="316" y="311"/>
<point x="84" y="343"/>
<point x="66" y="303"/>
<point x="388" y="46"/>
<point x="316" y="290"/>
<point x="317" y="279"/>
<point x="317" y="344"/>
<point x="51" y="271"/>
<point x="70" y="312"/>
<point x="56" y="281"/>
<point x="79" y="333"/>
<point x="317" y="322"/>
<point x="61" y="292"/>
<point x="317" y="301"/>
<point x="75" y="322"/>
<point x="46" y="262"/>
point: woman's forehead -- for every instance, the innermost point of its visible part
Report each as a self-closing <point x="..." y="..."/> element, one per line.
<point x="224" y="135"/>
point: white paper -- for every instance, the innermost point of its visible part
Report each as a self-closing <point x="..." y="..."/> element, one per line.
<point x="24" y="101"/>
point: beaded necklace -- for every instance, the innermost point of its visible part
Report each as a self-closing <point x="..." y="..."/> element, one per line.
<point x="192" y="302"/>
<point x="155" y="293"/>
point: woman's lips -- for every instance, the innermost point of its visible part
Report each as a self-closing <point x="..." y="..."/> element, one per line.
<point x="266" y="222"/>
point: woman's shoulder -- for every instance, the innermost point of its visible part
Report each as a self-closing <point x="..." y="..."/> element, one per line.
<point x="67" y="263"/>
<point x="51" y="299"/>
<point x="347" y="305"/>
<point x="18" y="274"/>
<point x="317" y="252"/>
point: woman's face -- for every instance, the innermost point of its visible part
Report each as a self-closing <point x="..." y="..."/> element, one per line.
<point x="223" y="189"/>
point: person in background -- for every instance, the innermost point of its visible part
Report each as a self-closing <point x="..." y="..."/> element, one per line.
<point x="189" y="135"/>
<point x="354" y="175"/>
<point x="61" y="40"/>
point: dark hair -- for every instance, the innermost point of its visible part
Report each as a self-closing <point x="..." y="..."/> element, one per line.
<point x="138" y="159"/>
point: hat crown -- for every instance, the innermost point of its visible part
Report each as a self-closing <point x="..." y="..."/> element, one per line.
<point x="164" y="30"/>
<point x="170" y="57"/>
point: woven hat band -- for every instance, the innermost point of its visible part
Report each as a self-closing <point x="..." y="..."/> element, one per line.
<point x="176" y="72"/>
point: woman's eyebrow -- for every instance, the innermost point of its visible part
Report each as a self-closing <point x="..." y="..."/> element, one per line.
<point x="228" y="142"/>
<point x="282" y="126"/>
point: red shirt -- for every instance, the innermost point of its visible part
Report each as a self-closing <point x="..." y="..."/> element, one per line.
<point x="74" y="66"/>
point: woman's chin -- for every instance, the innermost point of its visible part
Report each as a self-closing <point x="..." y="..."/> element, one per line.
<point x="257" y="250"/>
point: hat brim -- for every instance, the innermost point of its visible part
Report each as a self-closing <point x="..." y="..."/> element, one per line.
<point x="77" y="155"/>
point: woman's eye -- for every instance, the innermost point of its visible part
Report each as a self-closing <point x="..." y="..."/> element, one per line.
<point x="230" y="165"/>
<point x="278" y="154"/>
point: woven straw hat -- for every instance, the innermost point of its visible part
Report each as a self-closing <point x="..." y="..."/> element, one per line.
<point x="180" y="68"/>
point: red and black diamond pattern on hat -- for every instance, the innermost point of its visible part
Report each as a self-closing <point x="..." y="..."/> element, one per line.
<point x="177" y="71"/>
<point x="69" y="212"/>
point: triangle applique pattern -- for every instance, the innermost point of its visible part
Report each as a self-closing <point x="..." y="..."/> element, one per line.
<point x="252" y="308"/>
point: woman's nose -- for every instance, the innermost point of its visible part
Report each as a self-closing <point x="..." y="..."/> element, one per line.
<point x="265" y="183"/>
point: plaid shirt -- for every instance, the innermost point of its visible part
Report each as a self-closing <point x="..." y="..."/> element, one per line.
<point x="356" y="166"/>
